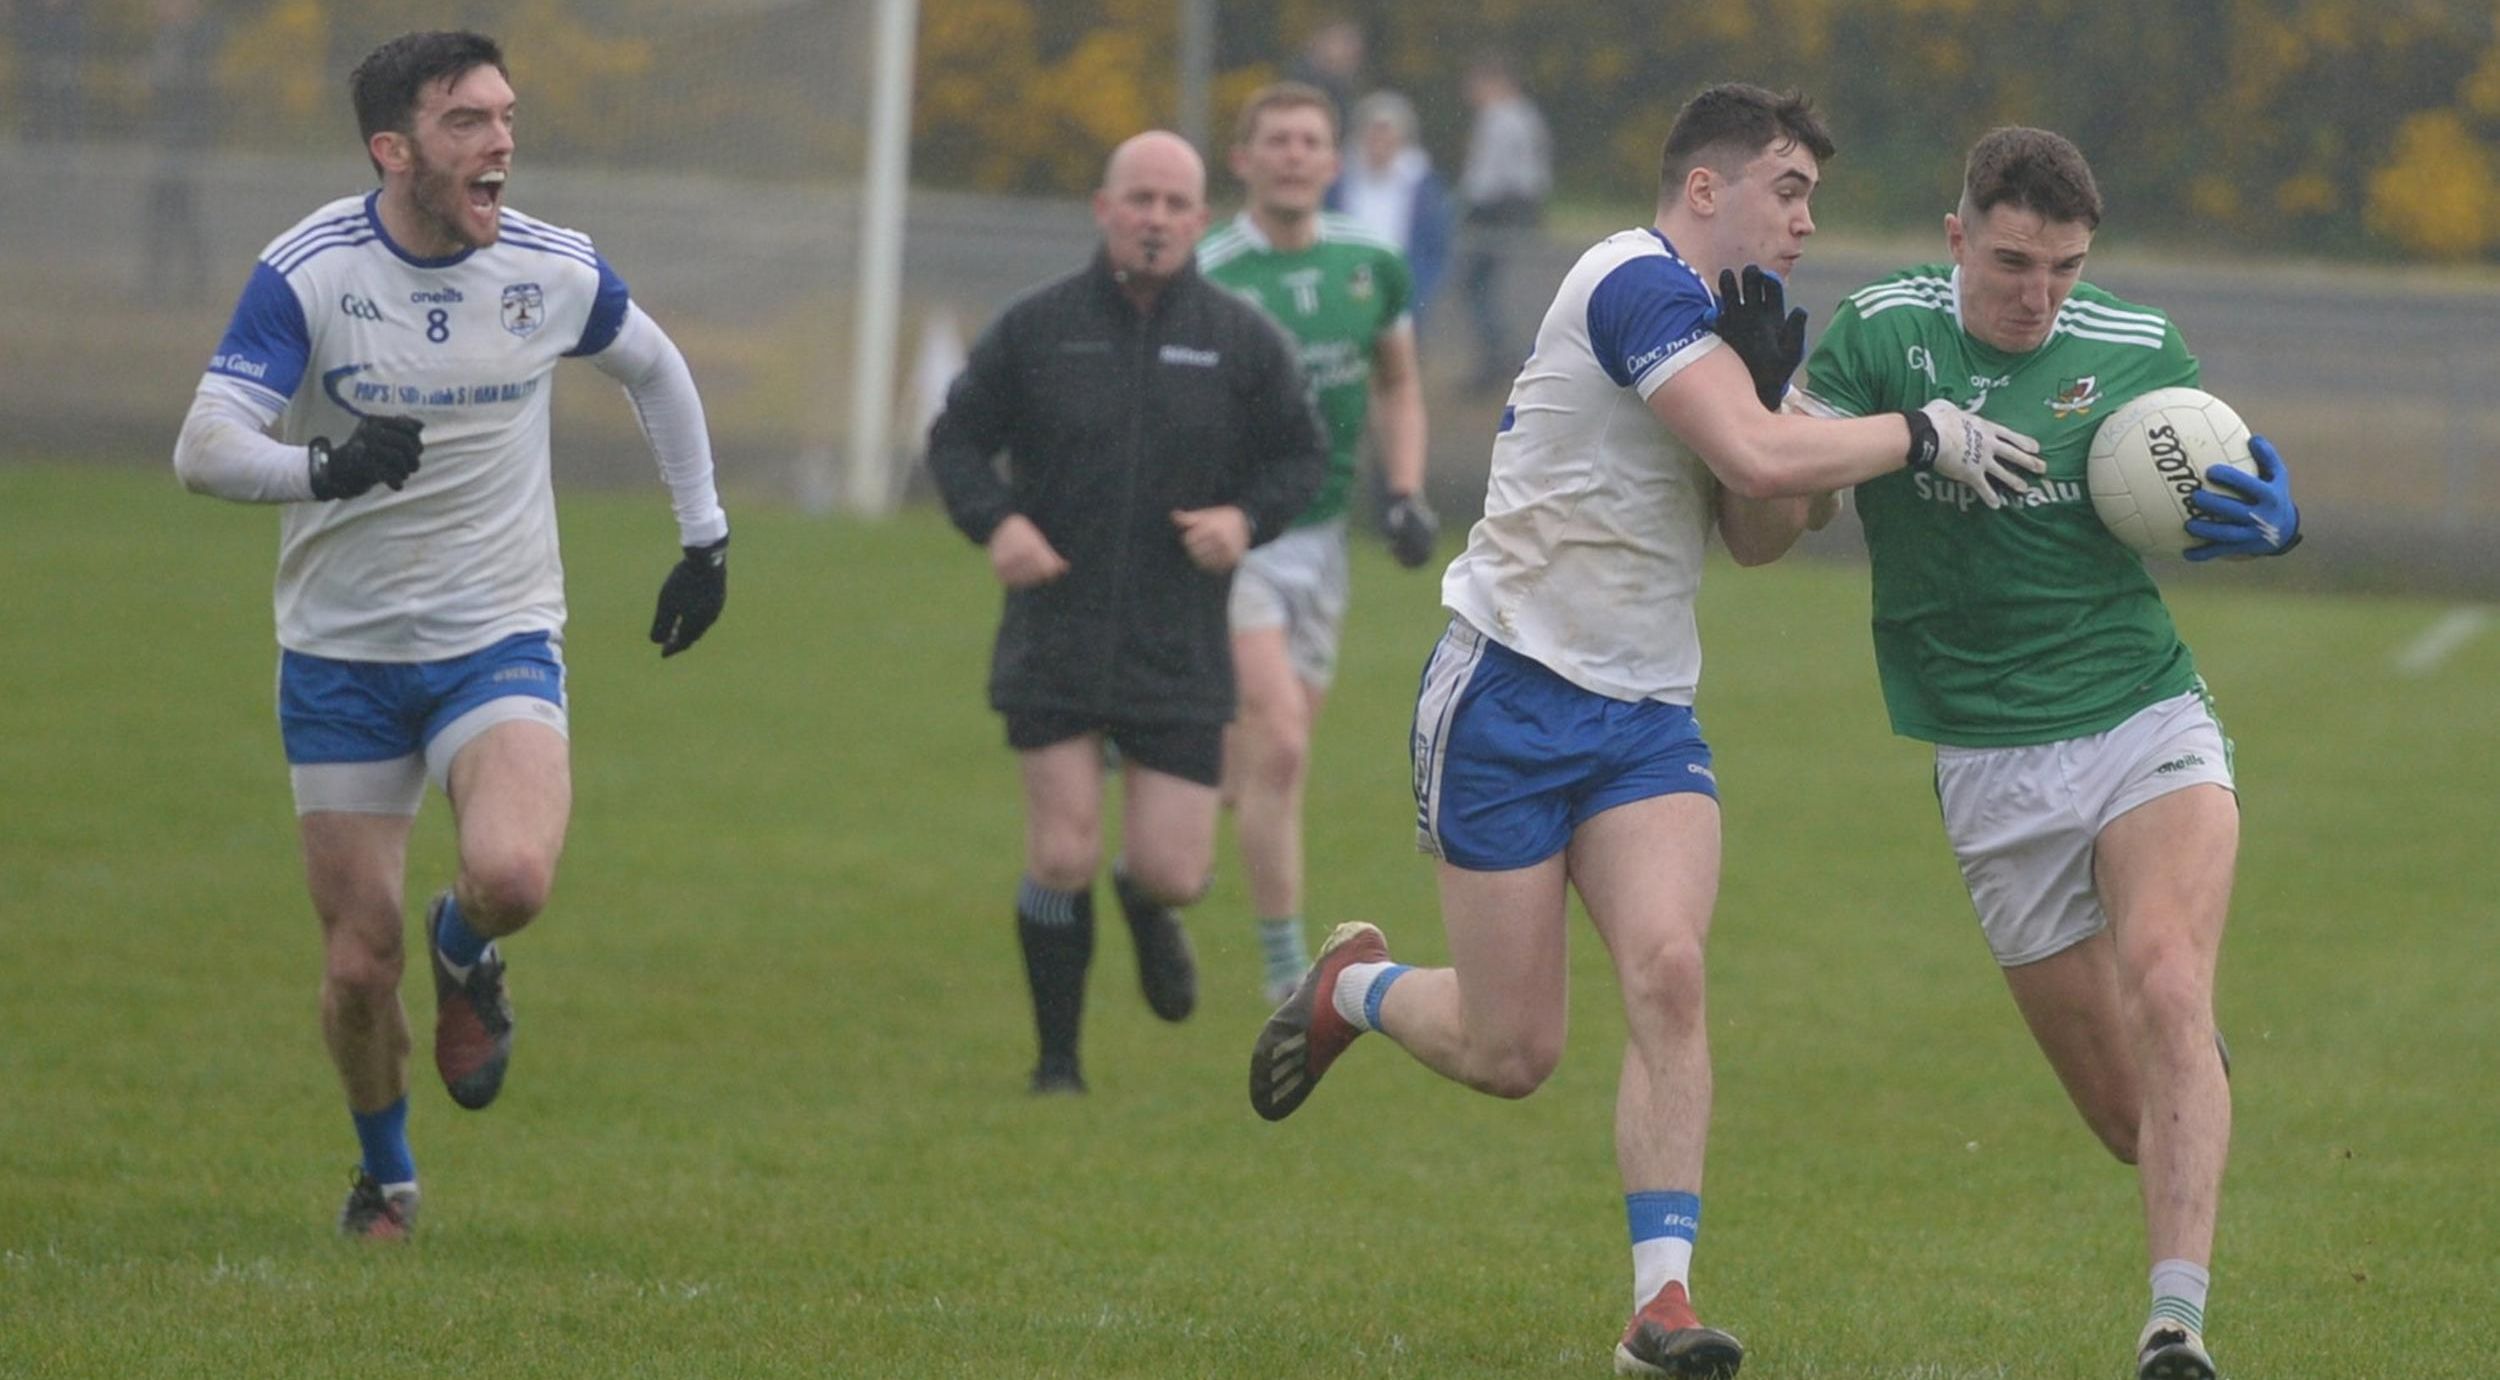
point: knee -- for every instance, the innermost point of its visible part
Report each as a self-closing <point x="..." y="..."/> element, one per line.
<point x="1280" y="750"/>
<point x="2172" y="996"/>
<point x="1517" y="1069"/>
<point x="363" y="966"/>
<point x="1665" y="980"/>
<point x="1065" y="858"/>
<point x="510" y="885"/>
<point x="1171" y="876"/>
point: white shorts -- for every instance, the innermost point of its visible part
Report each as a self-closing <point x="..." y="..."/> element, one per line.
<point x="2023" y="820"/>
<point x="1298" y="582"/>
<point x="396" y="786"/>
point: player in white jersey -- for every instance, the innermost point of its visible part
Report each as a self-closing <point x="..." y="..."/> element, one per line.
<point x="1554" y="742"/>
<point x="386" y="377"/>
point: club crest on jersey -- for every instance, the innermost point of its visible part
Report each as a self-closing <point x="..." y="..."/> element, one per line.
<point x="2076" y="397"/>
<point x="1359" y="283"/>
<point x="524" y="308"/>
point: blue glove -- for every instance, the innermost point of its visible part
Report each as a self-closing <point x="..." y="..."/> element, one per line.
<point x="2255" y="518"/>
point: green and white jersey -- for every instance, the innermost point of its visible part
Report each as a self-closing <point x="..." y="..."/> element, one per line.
<point x="1336" y="299"/>
<point x="2028" y="623"/>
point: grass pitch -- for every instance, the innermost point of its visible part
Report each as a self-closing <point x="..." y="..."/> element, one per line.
<point x="767" y="1118"/>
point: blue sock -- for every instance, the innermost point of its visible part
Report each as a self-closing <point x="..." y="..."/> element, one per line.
<point x="460" y="944"/>
<point x="1663" y="1227"/>
<point x="384" y="1135"/>
<point x="1379" y="991"/>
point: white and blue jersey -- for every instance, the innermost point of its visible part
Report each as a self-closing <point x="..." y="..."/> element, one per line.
<point x="1589" y="553"/>
<point x="1564" y="686"/>
<point x="339" y="322"/>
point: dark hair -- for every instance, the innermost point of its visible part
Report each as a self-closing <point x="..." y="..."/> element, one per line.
<point x="386" y="85"/>
<point x="1282" y="95"/>
<point x="2032" y="169"/>
<point x="1734" y="121"/>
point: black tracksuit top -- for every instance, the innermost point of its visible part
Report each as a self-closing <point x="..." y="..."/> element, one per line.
<point x="1110" y="420"/>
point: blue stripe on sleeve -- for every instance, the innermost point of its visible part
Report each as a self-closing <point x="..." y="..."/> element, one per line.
<point x="607" y="313"/>
<point x="1644" y="311"/>
<point x="268" y="341"/>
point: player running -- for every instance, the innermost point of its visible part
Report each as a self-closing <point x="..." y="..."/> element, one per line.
<point x="1344" y="295"/>
<point x="2085" y="782"/>
<point x="1554" y="743"/>
<point x="401" y="345"/>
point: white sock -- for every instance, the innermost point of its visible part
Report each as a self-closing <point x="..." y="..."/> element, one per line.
<point x="1657" y="1263"/>
<point x="1354" y="988"/>
<point x="2179" y="1294"/>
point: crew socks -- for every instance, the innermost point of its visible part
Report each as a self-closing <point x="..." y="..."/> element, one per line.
<point x="384" y="1135"/>
<point x="1360" y="989"/>
<point x="1663" y="1227"/>
<point x="1056" y="929"/>
<point x="1280" y="941"/>
<point x="2179" y="1294"/>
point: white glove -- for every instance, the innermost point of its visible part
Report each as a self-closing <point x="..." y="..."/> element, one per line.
<point x="1973" y="451"/>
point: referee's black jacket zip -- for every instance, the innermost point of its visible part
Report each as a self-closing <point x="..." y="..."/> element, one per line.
<point x="1111" y="420"/>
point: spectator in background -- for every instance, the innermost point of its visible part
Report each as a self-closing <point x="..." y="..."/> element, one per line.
<point x="1390" y="189"/>
<point x="1509" y="173"/>
<point x="1332" y="60"/>
<point x="182" y="113"/>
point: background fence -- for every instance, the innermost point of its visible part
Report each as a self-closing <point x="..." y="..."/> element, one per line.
<point x="712" y="150"/>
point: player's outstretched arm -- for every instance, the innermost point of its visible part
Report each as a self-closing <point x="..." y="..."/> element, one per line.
<point x="2245" y="515"/>
<point x="1759" y="531"/>
<point x="1713" y="408"/>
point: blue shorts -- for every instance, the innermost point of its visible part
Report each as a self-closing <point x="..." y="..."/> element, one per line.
<point x="333" y="711"/>
<point x="1510" y="758"/>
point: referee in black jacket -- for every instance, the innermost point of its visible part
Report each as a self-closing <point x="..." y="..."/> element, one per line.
<point x="1155" y="427"/>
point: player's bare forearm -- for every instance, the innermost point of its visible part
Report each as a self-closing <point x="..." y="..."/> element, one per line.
<point x="1759" y="531"/>
<point x="1397" y="411"/>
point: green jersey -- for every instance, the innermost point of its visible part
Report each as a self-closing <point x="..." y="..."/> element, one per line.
<point x="2023" y="624"/>
<point x="1336" y="299"/>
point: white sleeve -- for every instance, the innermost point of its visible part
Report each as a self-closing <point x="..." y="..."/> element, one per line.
<point x="225" y="449"/>
<point x="647" y="362"/>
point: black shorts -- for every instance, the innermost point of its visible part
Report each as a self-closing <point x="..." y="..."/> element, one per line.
<point x="1192" y="752"/>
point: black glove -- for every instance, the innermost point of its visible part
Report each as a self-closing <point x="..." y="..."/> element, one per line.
<point x="1755" y="321"/>
<point x="1412" y="527"/>
<point x="691" y="597"/>
<point x="382" y="450"/>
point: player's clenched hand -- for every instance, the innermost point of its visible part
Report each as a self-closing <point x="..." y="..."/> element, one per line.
<point x="1755" y="322"/>
<point x="1021" y="556"/>
<point x="2244" y="516"/>
<point x="1412" y="528"/>
<point x="692" y="597"/>
<point x="382" y="450"/>
<point x="1215" y="538"/>
<point x="1971" y="450"/>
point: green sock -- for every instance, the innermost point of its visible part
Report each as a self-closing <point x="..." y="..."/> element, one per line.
<point x="2179" y="1294"/>
<point x="1281" y="941"/>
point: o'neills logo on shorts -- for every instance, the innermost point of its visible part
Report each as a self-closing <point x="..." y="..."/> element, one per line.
<point x="1182" y="354"/>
